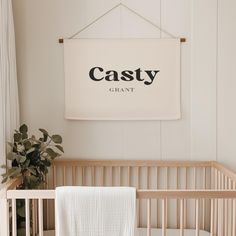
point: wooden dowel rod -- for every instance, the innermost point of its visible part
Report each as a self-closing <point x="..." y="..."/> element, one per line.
<point x="182" y="40"/>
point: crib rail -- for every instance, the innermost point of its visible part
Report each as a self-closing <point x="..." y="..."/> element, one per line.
<point x="141" y="194"/>
<point x="199" y="195"/>
<point x="148" y="195"/>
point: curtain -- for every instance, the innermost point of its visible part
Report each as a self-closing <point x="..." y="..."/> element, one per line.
<point x="9" y="104"/>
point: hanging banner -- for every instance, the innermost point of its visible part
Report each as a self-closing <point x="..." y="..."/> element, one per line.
<point x="122" y="79"/>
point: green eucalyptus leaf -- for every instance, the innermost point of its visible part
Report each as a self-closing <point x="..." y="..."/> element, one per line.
<point x="26" y="164"/>
<point x="43" y="131"/>
<point x="21" y="159"/>
<point x="17" y="137"/>
<point x="32" y="170"/>
<point x="4" y="175"/>
<point x="45" y="137"/>
<point x="30" y="150"/>
<point x="46" y="170"/>
<point x="11" y="156"/>
<point x="20" y="148"/>
<point x="46" y="163"/>
<point x="4" y="180"/>
<point x="51" y="153"/>
<point x="32" y="178"/>
<point x="24" y="135"/>
<point x="21" y="211"/>
<point x="57" y="138"/>
<point x="23" y="128"/>
<point x="10" y="144"/>
<point x="27" y="145"/>
<point x="60" y="148"/>
<point x="13" y="172"/>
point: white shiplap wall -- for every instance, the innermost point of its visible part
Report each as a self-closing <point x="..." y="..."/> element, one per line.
<point x="207" y="128"/>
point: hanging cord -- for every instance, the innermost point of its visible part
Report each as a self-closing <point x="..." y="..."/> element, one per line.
<point x="131" y="10"/>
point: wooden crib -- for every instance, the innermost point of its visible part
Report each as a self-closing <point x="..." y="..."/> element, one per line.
<point x="173" y="197"/>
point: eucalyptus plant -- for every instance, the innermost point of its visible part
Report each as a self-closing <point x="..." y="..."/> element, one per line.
<point x="31" y="157"/>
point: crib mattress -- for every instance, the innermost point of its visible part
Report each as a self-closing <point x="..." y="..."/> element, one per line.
<point x="155" y="232"/>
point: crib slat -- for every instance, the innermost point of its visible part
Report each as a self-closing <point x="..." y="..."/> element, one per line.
<point x="194" y="187"/>
<point x="40" y="217"/>
<point x="203" y="200"/>
<point x="119" y="176"/>
<point x="54" y="176"/>
<point x="230" y="204"/>
<point x="177" y="200"/>
<point x="148" y="217"/>
<point x="225" y="209"/>
<point x="93" y="176"/>
<point x="234" y="217"/>
<point x="212" y="218"/>
<point x="34" y="216"/>
<point x="82" y="175"/>
<point x="197" y="217"/>
<point x="219" y="217"/>
<point x="215" y="203"/>
<point x="138" y="202"/>
<point x="73" y="175"/>
<point x="182" y="217"/>
<point x="128" y="175"/>
<point x="102" y="176"/>
<point x="64" y="175"/>
<point x="157" y="179"/>
<point x="47" y="205"/>
<point x="163" y="217"/>
<point x="185" y="201"/>
<point x="167" y="187"/>
<point x="27" y="217"/>
<point x="14" y="228"/>
<point x="148" y="176"/>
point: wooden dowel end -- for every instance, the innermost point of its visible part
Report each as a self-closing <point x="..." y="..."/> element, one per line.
<point x="61" y="40"/>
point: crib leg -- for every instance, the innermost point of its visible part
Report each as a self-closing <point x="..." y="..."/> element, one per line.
<point x="4" y="229"/>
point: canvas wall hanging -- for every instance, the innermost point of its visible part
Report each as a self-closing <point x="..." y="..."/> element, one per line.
<point x="122" y="79"/>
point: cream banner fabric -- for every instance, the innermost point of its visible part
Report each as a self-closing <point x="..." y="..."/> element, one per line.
<point x="122" y="79"/>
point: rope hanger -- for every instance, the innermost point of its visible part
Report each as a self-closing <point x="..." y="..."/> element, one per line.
<point x="61" y="40"/>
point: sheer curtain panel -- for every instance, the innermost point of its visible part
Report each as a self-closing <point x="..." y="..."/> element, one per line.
<point x="9" y="104"/>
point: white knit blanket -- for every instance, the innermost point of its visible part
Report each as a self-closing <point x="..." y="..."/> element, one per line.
<point x="95" y="211"/>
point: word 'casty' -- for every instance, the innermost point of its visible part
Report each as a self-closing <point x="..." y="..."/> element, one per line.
<point x="98" y="74"/>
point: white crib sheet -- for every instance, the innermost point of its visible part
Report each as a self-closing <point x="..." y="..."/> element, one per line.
<point x="155" y="232"/>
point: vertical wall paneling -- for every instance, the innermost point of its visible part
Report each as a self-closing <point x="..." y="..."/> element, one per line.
<point x="207" y="128"/>
<point x="227" y="83"/>
<point x="203" y="79"/>
<point x="176" y="19"/>
<point x="141" y="138"/>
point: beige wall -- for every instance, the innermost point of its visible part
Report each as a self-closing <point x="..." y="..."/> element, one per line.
<point x="207" y="129"/>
